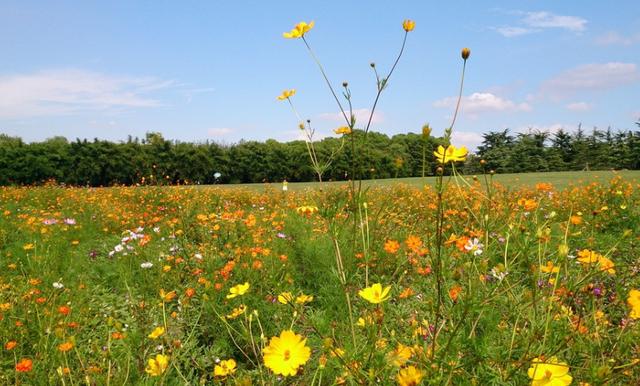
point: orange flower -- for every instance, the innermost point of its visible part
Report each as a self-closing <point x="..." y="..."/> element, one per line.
<point x="391" y="246"/>
<point x="64" y="310"/>
<point x="10" y="345"/>
<point x="24" y="366"/>
<point x="413" y="243"/>
<point x="66" y="346"/>
<point x="528" y="204"/>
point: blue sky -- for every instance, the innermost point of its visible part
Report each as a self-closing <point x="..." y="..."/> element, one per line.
<point x="211" y="70"/>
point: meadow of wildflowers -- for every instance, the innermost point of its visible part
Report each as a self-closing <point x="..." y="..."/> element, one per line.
<point x="457" y="283"/>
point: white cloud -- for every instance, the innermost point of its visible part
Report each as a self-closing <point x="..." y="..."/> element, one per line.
<point x="482" y="102"/>
<point x="466" y="138"/>
<point x="531" y="22"/>
<point x="614" y="38"/>
<point x="61" y="92"/>
<point x="362" y="117"/>
<point x="510" y="32"/>
<point x="219" y="131"/>
<point x="550" y="20"/>
<point x="590" y="77"/>
<point x="579" y="106"/>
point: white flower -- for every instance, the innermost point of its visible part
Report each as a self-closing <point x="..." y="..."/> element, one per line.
<point x="58" y="285"/>
<point x="146" y="265"/>
<point x="156" y="229"/>
<point x="198" y="256"/>
<point x="118" y="248"/>
<point x="474" y="246"/>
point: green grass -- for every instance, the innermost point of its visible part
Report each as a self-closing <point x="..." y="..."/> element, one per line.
<point x="560" y="180"/>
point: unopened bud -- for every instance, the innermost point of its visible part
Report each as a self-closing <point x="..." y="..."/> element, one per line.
<point x="426" y="130"/>
<point x="465" y="53"/>
<point x="483" y="162"/>
<point x="372" y="64"/>
<point x="345" y="84"/>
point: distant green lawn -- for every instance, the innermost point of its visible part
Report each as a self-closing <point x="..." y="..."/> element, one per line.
<point x="560" y="180"/>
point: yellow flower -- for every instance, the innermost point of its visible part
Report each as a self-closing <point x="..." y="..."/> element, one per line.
<point x="66" y="346"/>
<point x="156" y="333"/>
<point x="302" y="299"/>
<point x="606" y="265"/>
<point x="238" y="290"/>
<point x="549" y="268"/>
<point x="588" y="257"/>
<point x="400" y="355"/>
<point x="286" y="94"/>
<point x="285" y="297"/>
<point x="224" y="368"/>
<point x="237" y="312"/>
<point x="408" y="25"/>
<point x="299" y="30"/>
<point x="307" y="209"/>
<point x="451" y="154"/>
<point x="343" y="130"/>
<point x="634" y="302"/>
<point x="409" y="376"/>
<point x="550" y="372"/>
<point x="286" y="353"/>
<point x="375" y="294"/>
<point x="156" y="367"/>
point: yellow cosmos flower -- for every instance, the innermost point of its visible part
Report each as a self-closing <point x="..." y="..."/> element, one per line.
<point x="400" y="355"/>
<point x="549" y="268"/>
<point x="451" y="154"/>
<point x="634" y="302"/>
<point x="549" y="372"/>
<point x="342" y="130"/>
<point x="303" y="299"/>
<point x="237" y="312"/>
<point x="225" y="368"/>
<point x="286" y="94"/>
<point x="409" y="376"/>
<point x="156" y="333"/>
<point x="285" y="297"/>
<point x="307" y="209"/>
<point x="375" y="294"/>
<point x="586" y="256"/>
<point x="156" y="367"/>
<point x="238" y="290"/>
<point x="408" y="25"/>
<point x="299" y="30"/>
<point x="286" y="353"/>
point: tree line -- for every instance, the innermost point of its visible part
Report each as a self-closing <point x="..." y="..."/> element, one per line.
<point x="156" y="160"/>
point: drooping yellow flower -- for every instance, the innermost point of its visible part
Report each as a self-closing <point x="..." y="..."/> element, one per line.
<point x="237" y="311"/>
<point x="156" y="367"/>
<point x="408" y="25"/>
<point x="303" y="299"/>
<point x="550" y="372"/>
<point x="409" y="376"/>
<point x="451" y="154"/>
<point x="375" y="294"/>
<point x="238" y="290"/>
<point x="285" y="297"/>
<point x="342" y="130"/>
<point x="307" y="209"/>
<point x="299" y="30"/>
<point x="156" y="333"/>
<point x="286" y="353"/>
<point x="224" y="368"/>
<point x="634" y="302"/>
<point x="286" y="94"/>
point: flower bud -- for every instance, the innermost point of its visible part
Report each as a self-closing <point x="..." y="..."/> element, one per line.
<point x="426" y="130"/>
<point x="408" y="25"/>
<point x="345" y="84"/>
<point x="372" y="64"/>
<point x="483" y="162"/>
<point x="465" y="53"/>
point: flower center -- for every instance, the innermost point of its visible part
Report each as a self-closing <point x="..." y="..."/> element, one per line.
<point x="287" y="355"/>
<point x="548" y="374"/>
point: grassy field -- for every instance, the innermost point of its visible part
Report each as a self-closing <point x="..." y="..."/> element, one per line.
<point x="560" y="180"/>
<point x="530" y="280"/>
